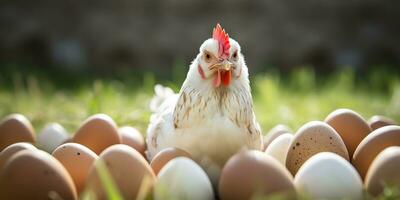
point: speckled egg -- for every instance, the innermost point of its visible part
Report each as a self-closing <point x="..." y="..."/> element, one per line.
<point x="373" y="144"/>
<point x="52" y="136"/>
<point x="250" y="174"/>
<point x="384" y="170"/>
<point x="351" y="127"/>
<point x="35" y="175"/>
<point x="15" y="128"/>
<point x="78" y="160"/>
<point x="280" y="147"/>
<point x="274" y="133"/>
<point x="97" y="133"/>
<point x="12" y="149"/>
<point x="378" y="121"/>
<point x="128" y="169"/>
<point x="133" y="138"/>
<point x="166" y="155"/>
<point x="312" y="138"/>
<point x="328" y="176"/>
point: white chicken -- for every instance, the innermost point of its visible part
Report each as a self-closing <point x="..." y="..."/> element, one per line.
<point x="212" y="116"/>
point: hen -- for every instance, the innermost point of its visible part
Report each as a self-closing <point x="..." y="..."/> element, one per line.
<point x="212" y="116"/>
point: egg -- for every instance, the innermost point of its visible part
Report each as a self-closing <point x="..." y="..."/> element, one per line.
<point x="274" y="133"/>
<point x="312" y="138"/>
<point x="97" y="133"/>
<point x="253" y="173"/>
<point x="52" y="135"/>
<point x="68" y="140"/>
<point x="279" y="147"/>
<point x="78" y="160"/>
<point x="378" y="121"/>
<point x="35" y="175"/>
<point x="15" y="128"/>
<point x="374" y="143"/>
<point x="328" y="176"/>
<point x="384" y="170"/>
<point x="351" y="127"/>
<point x="133" y="138"/>
<point x="12" y="149"/>
<point x="128" y="169"/>
<point x="182" y="178"/>
<point x="161" y="158"/>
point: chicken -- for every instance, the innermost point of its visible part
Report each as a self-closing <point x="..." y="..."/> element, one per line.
<point x="212" y="116"/>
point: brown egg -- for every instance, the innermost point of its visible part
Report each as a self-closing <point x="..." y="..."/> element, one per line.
<point x="97" y="133"/>
<point x="312" y="138"/>
<point x="374" y="143"/>
<point x="351" y="127"/>
<point x="130" y="172"/>
<point x="12" y="149"/>
<point x="15" y="128"/>
<point x="274" y="133"/>
<point x="384" y="170"/>
<point x="378" y="121"/>
<point x="251" y="173"/>
<point x="35" y="175"/>
<point x="161" y="158"/>
<point x="133" y="138"/>
<point x="78" y="160"/>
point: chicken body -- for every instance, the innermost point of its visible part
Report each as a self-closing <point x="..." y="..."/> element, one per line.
<point x="210" y="120"/>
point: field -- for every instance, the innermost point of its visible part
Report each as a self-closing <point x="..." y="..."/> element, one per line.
<point x="289" y="98"/>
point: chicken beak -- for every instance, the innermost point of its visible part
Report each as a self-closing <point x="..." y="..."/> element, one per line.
<point x="223" y="73"/>
<point x="226" y="65"/>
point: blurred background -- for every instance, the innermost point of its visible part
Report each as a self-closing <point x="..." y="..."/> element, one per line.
<point x="153" y="35"/>
<point x="306" y="58"/>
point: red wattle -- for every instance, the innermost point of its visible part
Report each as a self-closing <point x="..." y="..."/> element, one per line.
<point x="217" y="79"/>
<point x="226" y="77"/>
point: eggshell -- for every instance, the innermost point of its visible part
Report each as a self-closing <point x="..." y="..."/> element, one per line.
<point x="378" y="121"/>
<point x="384" y="170"/>
<point x="280" y="147"/>
<point x="15" y="128"/>
<point x="78" y="160"/>
<point x="133" y="138"/>
<point x="12" y="149"/>
<point x="166" y="155"/>
<point x="97" y="133"/>
<point x="374" y="143"/>
<point x="328" y="176"/>
<point x="52" y="136"/>
<point x="35" y="175"/>
<point x="68" y="140"/>
<point x="182" y="178"/>
<point x="351" y="127"/>
<point x="130" y="172"/>
<point x="251" y="173"/>
<point x="312" y="138"/>
<point x="274" y="133"/>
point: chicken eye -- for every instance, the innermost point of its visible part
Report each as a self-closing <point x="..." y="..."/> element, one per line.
<point x="234" y="55"/>
<point x="207" y="56"/>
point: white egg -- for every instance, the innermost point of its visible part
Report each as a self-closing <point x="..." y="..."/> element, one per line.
<point x="182" y="178"/>
<point x="279" y="147"/>
<point x="51" y="136"/>
<point x="328" y="176"/>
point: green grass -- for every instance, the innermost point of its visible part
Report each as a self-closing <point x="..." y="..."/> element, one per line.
<point x="305" y="96"/>
<point x="291" y="99"/>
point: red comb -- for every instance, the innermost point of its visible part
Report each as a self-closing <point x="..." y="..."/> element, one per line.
<point x="223" y="41"/>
